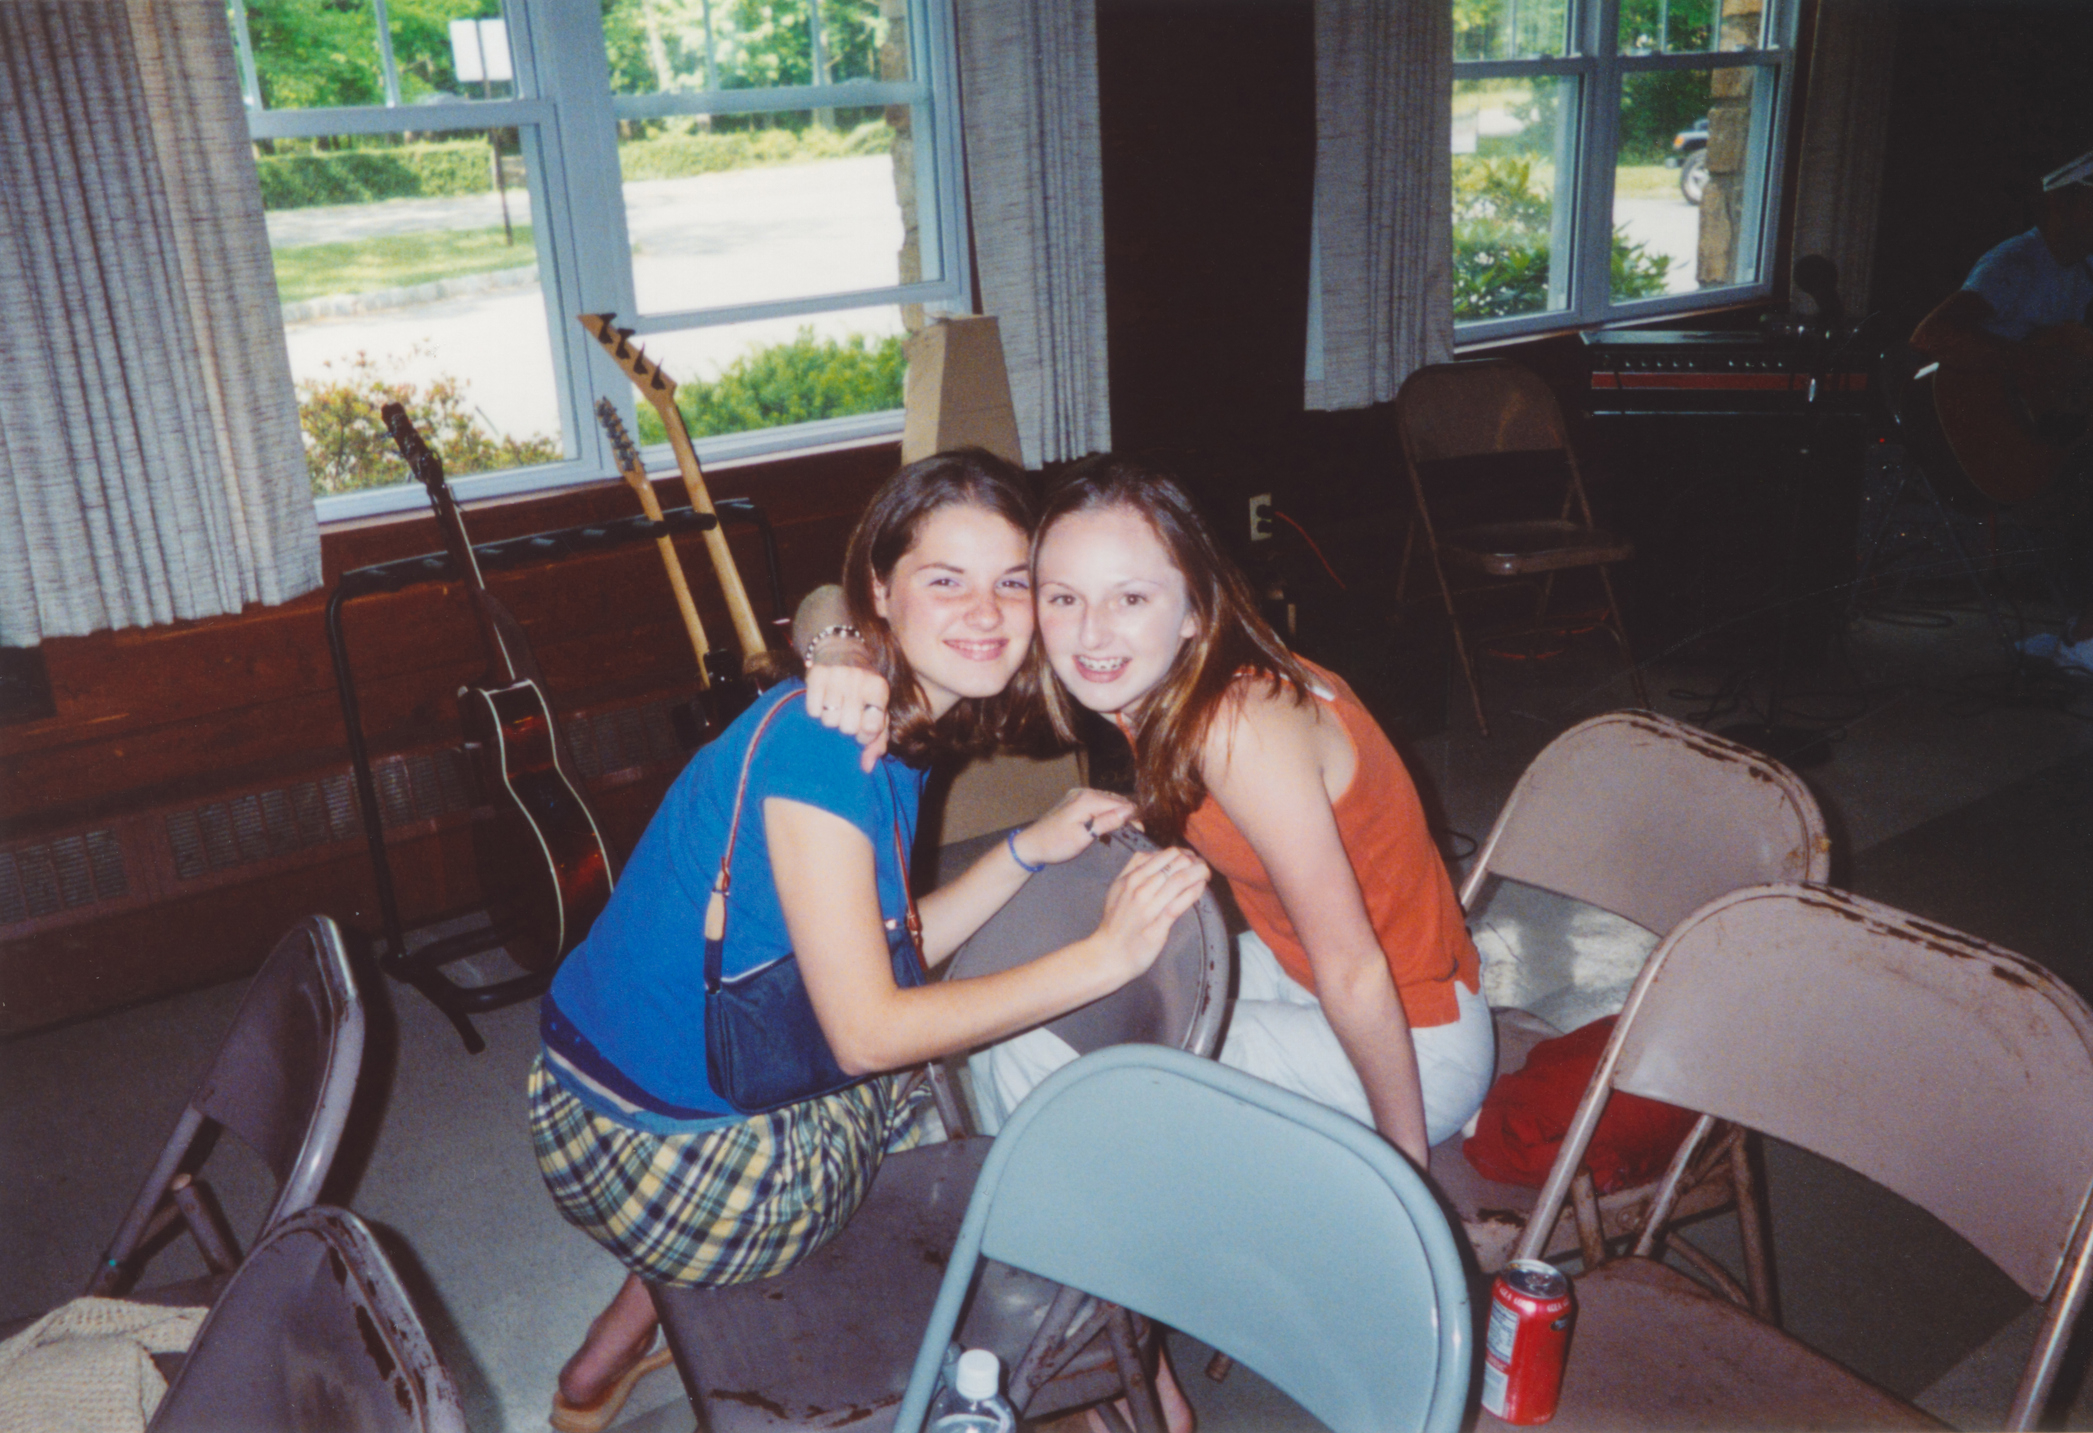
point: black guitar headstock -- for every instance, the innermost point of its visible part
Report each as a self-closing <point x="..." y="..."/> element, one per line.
<point x="627" y="452"/>
<point x="421" y="461"/>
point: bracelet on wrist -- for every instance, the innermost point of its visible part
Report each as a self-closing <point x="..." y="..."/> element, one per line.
<point x="1024" y="865"/>
<point x="834" y="629"/>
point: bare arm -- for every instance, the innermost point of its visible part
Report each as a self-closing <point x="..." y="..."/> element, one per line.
<point x="828" y="888"/>
<point x="1268" y="763"/>
<point x="843" y="691"/>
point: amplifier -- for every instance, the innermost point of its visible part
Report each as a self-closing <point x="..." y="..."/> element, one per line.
<point x="1708" y="374"/>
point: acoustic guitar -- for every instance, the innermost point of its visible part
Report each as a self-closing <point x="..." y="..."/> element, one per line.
<point x="2012" y="437"/>
<point x="544" y="867"/>
<point x="724" y="692"/>
<point x="660" y="392"/>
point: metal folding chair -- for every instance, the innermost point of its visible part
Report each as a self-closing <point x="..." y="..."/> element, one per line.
<point x="1952" y="1073"/>
<point x="313" y="1333"/>
<point x="282" y="1082"/>
<point x="1487" y="438"/>
<point x="1284" y="1234"/>
<point x="1648" y="819"/>
<point x="832" y="1339"/>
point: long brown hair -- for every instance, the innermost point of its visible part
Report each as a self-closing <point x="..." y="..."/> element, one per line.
<point x="1232" y="639"/>
<point x="889" y="528"/>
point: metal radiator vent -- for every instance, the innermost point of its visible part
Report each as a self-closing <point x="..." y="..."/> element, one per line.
<point x="65" y="874"/>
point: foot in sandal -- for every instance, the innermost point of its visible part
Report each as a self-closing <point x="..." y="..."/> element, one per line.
<point x="614" y="1357"/>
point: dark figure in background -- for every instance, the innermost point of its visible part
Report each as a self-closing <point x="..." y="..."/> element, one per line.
<point x="2018" y="338"/>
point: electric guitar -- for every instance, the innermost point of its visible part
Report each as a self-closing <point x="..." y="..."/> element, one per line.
<point x="544" y="867"/>
<point x="660" y="392"/>
<point x="2011" y="437"/>
<point x="724" y="691"/>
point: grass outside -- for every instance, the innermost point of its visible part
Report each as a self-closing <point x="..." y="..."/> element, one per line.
<point x="397" y="261"/>
<point x="1645" y="181"/>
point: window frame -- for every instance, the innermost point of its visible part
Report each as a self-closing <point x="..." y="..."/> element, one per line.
<point x="1601" y="68"/>
<point x="566" y="115"/>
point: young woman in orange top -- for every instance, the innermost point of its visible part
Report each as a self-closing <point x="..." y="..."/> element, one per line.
<point x="1358" y="985"/>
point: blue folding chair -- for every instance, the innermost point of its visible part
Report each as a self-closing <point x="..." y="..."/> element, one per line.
<point x="1278" y="1231"/>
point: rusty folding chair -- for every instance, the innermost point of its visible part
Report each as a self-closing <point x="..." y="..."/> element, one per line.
<point x="832" y="1340"/>
<point x="1952" y="1073"/>
<point x="1485" y="446"/>
<point x="313" y="1332"/>
<point x="1648" y="819"/>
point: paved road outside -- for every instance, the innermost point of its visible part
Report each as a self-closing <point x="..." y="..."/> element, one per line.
<point x="742" y="236"/>
<point x="737" y="237"/>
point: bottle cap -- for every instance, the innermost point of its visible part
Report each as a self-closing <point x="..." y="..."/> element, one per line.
<point x="979" y="1376"/>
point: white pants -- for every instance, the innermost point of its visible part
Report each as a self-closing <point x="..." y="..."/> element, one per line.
<point x="1277" y="1031"/>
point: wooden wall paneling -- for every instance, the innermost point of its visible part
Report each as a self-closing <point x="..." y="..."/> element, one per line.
<point x="208" y="734"/>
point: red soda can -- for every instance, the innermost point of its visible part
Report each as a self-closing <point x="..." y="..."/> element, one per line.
<point x="1523" y="1349"/>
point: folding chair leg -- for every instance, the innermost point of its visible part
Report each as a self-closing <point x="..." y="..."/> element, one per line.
<point x="1751" y="1229"/>
<point x="1620" y="635"/>
<point x="1133" y="1374"/>
<point x="1460" y="645"/>
<point x="1591" y="1225"/>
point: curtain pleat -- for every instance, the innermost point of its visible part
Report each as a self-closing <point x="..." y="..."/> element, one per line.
<point x="1845" y="134"/>
<point x="1028" y="71"/>
<point x="147" y="418"/>
<point x="1383" y="195"/>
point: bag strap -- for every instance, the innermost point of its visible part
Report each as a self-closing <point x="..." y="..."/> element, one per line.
<point x="716" y="907"/>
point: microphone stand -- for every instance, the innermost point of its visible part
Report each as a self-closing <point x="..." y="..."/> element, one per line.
<point x="1798" y="746"/>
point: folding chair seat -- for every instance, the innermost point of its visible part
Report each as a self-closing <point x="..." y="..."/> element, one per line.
<point x="1646" y="819"/>
<point x="1286" y="1235"/>
<point x="833" y="1338"/>
<point x="313" y="1333"/>
<point x="282" y="1082"/>
<point x="1479" y="438"/>
<point x="1951" y="1073"/>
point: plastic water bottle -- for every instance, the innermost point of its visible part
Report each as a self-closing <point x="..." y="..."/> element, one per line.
<point x="972" y="1401"/>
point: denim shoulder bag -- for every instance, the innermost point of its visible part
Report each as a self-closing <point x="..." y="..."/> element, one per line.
<point x="763" y="1047"/>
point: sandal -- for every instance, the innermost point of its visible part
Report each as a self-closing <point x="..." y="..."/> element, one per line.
<point x="595" y="1417"/>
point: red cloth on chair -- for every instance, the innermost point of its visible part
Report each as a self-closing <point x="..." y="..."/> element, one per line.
<point x="1526" y="1114"/>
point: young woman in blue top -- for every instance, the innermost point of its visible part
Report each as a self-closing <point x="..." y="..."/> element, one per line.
<point x="637" y="1148"/>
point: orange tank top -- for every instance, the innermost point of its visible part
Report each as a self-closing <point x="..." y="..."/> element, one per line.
<point x="1409" y="895"/>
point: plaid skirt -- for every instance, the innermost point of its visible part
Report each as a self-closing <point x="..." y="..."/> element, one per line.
<point x="742" y="1202"/>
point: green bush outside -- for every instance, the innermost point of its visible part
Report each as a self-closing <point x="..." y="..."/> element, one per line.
<point x="450" y="169"/>
<point x="796" y="382"/>
<point x="1500" y="243"/>
<point x="347" y="447"/>
<point x="361" y="176"/>
<point x="674" y="155"/>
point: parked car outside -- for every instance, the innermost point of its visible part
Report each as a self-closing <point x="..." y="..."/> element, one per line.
<point x="1689" y="155"/>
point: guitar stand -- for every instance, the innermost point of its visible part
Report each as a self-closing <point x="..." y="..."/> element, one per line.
<point x="422" y="968"/>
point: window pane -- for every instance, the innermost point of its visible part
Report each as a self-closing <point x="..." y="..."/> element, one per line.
<point x="672" y="46"/>
<point x="765" y="207"/>
<point x="739" y="377"/>
<point x="1511" y="143"/>
<point x="407" y="276"/>
<point x="1691" y="26"/>
<point x="314" y="54"/>
<point x="1686" y="181"/>
<point x="1510" y="29"/>
<point x="1682" y="26"/>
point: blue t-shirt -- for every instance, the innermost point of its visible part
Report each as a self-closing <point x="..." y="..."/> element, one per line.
<point x="627" y="1008"/>
<point x="2028" y="289"/>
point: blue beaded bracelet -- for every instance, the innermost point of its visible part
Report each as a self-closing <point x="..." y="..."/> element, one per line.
<point x="1024" y="865"/>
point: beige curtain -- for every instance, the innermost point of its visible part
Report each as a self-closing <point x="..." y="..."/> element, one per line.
<point x="154" y="469"/>
<point x="1383" y="196"/>
<point x="1845" y="131"/>
<point x="1035" y="191"/>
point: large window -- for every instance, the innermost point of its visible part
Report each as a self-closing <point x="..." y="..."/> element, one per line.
<point x="764" y="190"/>
<point x="1613" y="158"/>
